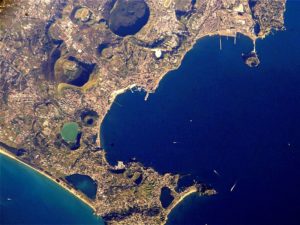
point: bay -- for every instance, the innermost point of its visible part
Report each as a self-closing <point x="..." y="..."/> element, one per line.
<point x="215" y="113"/>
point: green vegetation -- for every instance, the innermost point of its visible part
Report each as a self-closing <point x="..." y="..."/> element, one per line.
<point x="70" y="132"/>
<point x="146" y="190"/>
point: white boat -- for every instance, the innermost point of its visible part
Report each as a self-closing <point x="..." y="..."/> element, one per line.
<point x="232" y="188"/>
<point x="216" y="172"/>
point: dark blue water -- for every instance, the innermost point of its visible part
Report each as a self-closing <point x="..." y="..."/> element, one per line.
<point x="128" y="17"/>
<point x="224" y="116"/>
<point x="166" y="197"/>
<point x="29" y="198"/>
<point x="83" y="183"/>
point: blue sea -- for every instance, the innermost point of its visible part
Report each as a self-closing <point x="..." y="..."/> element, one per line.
<point x="212" y="114"/>
<point x="27" y="197"/>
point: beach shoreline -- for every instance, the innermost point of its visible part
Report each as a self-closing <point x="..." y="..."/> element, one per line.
<point x="113" y="96"/>
<point x="176" y="202"/>
<point x="79" y="196"/>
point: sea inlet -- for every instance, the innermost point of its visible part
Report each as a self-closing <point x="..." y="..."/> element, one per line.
<point x="222" y="123"/>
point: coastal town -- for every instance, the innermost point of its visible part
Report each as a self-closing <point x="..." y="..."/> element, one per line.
<point x="63" y="63"/>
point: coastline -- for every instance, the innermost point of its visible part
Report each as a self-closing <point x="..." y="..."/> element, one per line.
<point x="5" y="153"/>
<point x="79" y="196"/>
<point x="220" y="34"/>
<point x="113" y="96"/>
<point x="166" y="71"/>
<point x="187" y="193"/>
<point x="116" y="93"/>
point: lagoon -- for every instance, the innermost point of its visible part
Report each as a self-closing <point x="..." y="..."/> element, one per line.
<point x="29" y="198"/>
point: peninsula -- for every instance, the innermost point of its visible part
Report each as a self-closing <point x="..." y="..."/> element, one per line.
<point x="62" y="64"/>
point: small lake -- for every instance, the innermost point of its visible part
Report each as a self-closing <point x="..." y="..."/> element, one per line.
<point x="83" y="183"/>
<point x="29" y="198"/>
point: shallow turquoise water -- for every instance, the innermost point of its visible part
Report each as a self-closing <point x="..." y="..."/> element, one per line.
<point x="29" y="198"/>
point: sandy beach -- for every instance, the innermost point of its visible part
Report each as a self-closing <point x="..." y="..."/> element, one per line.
<point x="82" y="198"/>
<point x="187" y="193"/>
<point x="61" y="183"/>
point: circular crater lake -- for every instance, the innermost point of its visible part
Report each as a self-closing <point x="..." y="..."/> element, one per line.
<point x="128" y="17"/>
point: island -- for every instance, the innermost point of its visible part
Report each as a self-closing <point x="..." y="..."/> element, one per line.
<point x="62" y="64"/>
